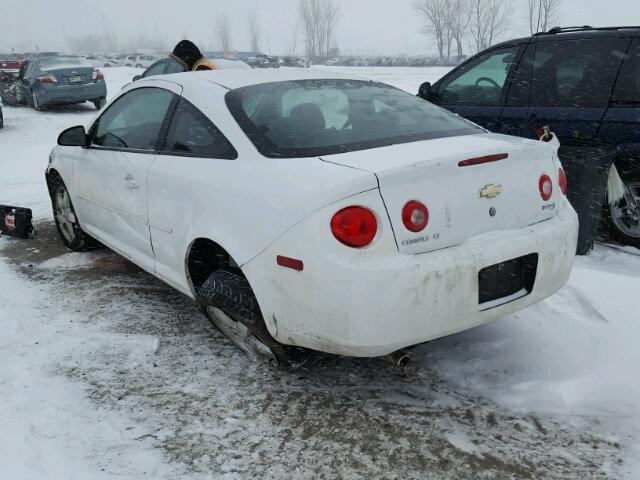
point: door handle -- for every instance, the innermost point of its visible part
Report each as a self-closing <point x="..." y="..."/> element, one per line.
<point x="131" y="183"/>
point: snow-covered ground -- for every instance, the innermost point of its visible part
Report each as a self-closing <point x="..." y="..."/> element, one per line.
<point x="107" y="373"/>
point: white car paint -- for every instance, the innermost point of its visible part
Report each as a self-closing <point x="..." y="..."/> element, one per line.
<point x="359" y="302"/>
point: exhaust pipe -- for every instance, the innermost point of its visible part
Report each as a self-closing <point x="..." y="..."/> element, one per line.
<point x="398" y="359"/>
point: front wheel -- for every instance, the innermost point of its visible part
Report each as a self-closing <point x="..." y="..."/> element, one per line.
<point x="99" y="103"/>
<point x="624" y="216"/>
<point x="67" y="224"/>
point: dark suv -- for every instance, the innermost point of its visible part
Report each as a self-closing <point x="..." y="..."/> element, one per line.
<point x="583" y="82"/>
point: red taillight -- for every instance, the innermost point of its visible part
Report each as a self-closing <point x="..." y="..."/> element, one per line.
<point x="97" y="75"/>
<point x="47" y="79"/>
<point x="486" y="159"/>
<point x="546" y="187"/>
<point x="415" y="216"/>
<point x="354" y="226"/>
<point x="562" y="181"/>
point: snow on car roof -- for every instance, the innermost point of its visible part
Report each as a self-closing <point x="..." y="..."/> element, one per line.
<point x="233" y="79"/>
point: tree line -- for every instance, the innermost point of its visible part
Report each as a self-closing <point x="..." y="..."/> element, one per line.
<point x="455" y="26"/>
<point x="478" y="23"/>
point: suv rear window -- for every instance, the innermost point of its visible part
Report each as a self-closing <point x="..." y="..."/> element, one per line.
<point x="322" y="117"/>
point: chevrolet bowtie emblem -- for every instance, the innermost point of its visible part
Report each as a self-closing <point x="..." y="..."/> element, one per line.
<point x="490" y="191"/>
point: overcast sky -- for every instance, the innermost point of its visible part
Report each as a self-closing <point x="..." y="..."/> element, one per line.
<point x="366" y="26"/>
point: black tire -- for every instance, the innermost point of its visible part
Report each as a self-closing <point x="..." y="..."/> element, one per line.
<point x="229" y="291"/>
<point x="73" y="237"/>
<point x="36" y="103"/>
<point x="99" y="103"/>
<point x="614" y="227"/>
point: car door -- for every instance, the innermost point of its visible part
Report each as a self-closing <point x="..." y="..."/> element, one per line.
<point x="195" y="152"/>
<point x="111" y="174"/>
<point x="572" y="83"/>
<point x="477" y="89"/>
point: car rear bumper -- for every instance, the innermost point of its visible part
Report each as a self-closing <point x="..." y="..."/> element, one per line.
<point x="373" y="308"/>
<point x="61" y="94"/>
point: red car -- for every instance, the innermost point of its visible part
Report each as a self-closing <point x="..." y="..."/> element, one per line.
<point x="9" y="64"/>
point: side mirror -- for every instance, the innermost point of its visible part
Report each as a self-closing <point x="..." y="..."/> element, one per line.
<point x="425" y="91"/>
<point x="73" y="137"/>
<point x="137" y="77"/>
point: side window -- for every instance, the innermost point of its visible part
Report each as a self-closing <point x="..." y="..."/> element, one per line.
<point x="156" y="69"/>
<point x="627" y="90"/>
<point x="482" y="81"/>
<point x="134" y="121"/>
<point x="576" y="73"/>
<point x="174" y="67"/>
<point x="192" y="134"/>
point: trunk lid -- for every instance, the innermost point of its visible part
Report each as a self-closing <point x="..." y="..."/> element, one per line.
<point x="71" y="75"/>
<point x="460" y="199"/>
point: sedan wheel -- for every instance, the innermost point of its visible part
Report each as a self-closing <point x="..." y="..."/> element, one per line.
<point x="240" y="335"/>
<point x="69" y="229"/>
<point x="36" y="104"/>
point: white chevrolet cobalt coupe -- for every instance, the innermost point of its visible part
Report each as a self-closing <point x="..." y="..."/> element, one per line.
<point x="306" y="210"/>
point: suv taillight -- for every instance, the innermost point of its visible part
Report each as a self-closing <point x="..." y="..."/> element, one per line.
<point x="562" y="181"/>
<point x="546" y="187"/>
<point x="354" y="226"/>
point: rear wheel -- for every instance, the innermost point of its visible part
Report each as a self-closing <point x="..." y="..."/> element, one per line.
<point x="67" y="224"/>
<point x="36" y="103"/>
<point x="230" y="304"/>
<point x="99" y="103"/>
<point x="624" y="216"/>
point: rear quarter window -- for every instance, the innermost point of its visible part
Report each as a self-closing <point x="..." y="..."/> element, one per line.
<point x="576" y="73"/>
<point x="627" y="90"/>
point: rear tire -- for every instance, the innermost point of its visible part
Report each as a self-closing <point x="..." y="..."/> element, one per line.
<point x="67" y="223"/>
<point x="36" y="103"/>
<point x="624" y="223"/>
<point x="230" y="304"/>
<point x="99" y="103"/>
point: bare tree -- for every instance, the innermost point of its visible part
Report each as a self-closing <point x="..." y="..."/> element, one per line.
<point x="489" y="19"/>
<point x="293" y="43"/>
<point x="435" y="14"/>
<point x="458" y="19"/>
<point x="319" y="20"/>
<point x="223" y="29"/>
<point x="254" y="32"/>
<point x="542" y="14"/>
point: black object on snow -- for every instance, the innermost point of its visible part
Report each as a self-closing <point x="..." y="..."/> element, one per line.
<point x="587" y="164"/>
<point x="16" y="221"/>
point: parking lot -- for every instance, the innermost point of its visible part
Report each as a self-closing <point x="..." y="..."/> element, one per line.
<point x="111" y="374"/>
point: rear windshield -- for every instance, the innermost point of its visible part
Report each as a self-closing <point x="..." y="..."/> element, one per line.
<point x="63" y="62"/>
<point x="308" y="118"/>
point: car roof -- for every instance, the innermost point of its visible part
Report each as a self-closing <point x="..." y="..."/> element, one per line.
<point x="575" y="33"/>
<point x="232" y="78"/>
